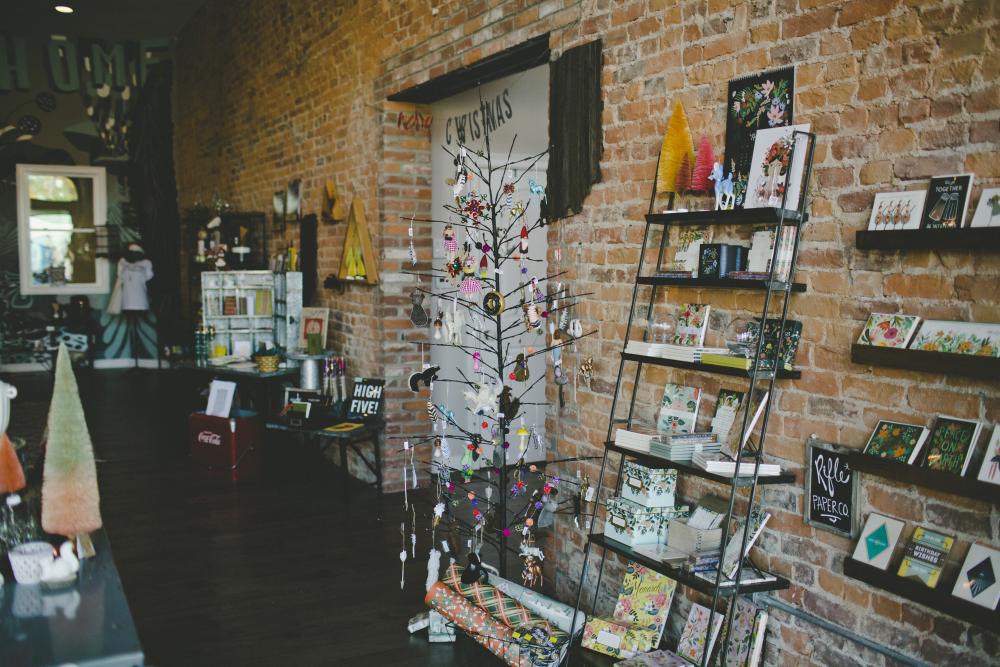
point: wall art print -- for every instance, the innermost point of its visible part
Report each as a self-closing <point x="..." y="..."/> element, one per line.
<point x="980" y="339"/>
<point x="947" y="201"/>
<point x="754" y="103"/>
<point x="988" y="210"/>
<point x="778" y="164"/>
<point x="887" y="330"/>
<point x="897" y="210"/>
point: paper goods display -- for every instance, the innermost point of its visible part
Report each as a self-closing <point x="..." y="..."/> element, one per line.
<point x="557" y="613"/>
<point x="477" y="623"/>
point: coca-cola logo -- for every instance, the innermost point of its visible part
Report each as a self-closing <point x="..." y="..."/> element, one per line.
<point x="210" y="438"/>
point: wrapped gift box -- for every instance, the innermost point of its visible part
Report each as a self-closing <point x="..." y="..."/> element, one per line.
<point x="632" y="524"/>
<point x="650" y="487"/>
<point x="617" y="639"/>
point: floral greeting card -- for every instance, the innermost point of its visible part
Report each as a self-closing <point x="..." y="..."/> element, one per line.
<point x="644" y="599"/>
<point x="900" y="442"/>
<point x="777" y="165"/>
<point x="754" y="103"/>
<point x="883" y="330"/>
<point x="958" y="338"/>
<point x="696" y="638"/>
<point x="679" y="409"/>
<point x="689" y="240"/>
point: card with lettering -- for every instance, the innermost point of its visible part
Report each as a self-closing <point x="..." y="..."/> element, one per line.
<point x="878" y="540"/>
<point x="951" y="444"/>
<point x="947" y="201"/>
<point x="367" y="399"/>
<point x="925" y="556"/>
<point x="831" y="489"/>
<point x="644" y="599"/>
<point x="989" y="471"/>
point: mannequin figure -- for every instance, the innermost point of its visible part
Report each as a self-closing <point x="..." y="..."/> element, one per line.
<point x="135" y="270"/>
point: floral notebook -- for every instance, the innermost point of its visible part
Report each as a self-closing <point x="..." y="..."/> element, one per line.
<point x="784" y="351"/>
<point x="951" y="444"/>
<point x="644" y="599"/>
<point x="884" y="330"/>
<point x="691" y="325"/>
<point x="679" y="409"/>
<point x="893" y="440"/>
<point x="742" y="634"/>
<point x="695" y="638"/>
<point x="981" y="339"/>
<point x="689" y="242"/>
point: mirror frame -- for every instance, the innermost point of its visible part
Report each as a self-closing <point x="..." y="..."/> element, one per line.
<point x="99" y="176"/>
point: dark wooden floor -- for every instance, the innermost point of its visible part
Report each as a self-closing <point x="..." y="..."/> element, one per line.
<point x="278" y="572"/>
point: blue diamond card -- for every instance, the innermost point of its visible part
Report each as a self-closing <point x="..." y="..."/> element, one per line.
<point x="878" y="541"/>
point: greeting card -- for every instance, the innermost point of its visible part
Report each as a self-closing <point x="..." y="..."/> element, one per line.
<point x="644" y="600"/>
<point x="988" y="210"/>
<point x="989" y="470"/>
<point x="740" y="644"/>
<point x="886" y="330"/>
<point x="778" y="164"/>
<point x="951" y="444"/>
<point x="696" y="638"/>
<point x="692" y="324"/>
<point x="878" y="539"/>
<point x="925" y="556"/>
<point x="893" y="440"/>
<point x="754" y="103"/>
<point x="977" y="578"/>
<point x="947" y="201"/>
<point x="897" y="210"/>
<point x="678" y="409"/>
<point x="783" y="352"/>
<point x="980" y="339"/>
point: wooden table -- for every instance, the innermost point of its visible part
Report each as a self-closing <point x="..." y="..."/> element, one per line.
<point x="262" y="386"/>
<point x="367" y="433"/>
<point x="86" y="624"/>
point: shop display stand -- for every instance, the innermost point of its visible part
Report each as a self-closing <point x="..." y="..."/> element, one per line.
<point x="756" y="379"/>
<point x="966" y="238"/>
<point x="948" y="482"/>
<point x="939" y="363"/>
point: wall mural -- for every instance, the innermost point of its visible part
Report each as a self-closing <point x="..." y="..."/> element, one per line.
<point x="68" y="101"/>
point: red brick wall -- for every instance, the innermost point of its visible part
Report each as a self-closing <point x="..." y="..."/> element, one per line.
<point x="896" y="91"/>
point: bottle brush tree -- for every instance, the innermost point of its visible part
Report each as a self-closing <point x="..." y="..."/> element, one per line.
<point x="70" y="501"/>
<point x="11" y="473"/>
<point x="703" y="164"/>
<point x="677" y="144"/>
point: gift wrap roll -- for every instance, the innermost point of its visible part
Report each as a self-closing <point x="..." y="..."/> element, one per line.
<point x="557" y="613"/>
<point x="494" y="636"/>
<point x="541" y="639"/>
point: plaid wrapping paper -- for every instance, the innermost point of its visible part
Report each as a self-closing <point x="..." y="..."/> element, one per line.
<point x="512" y="613"/>
<point x="494" y="636"/>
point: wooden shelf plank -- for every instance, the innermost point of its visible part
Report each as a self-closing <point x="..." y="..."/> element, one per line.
<point x="967" y="238"/>
<point x="968" y="487"/>
<point x="653" y="461"/>
<point x="743" y="216"/>
<point x="707" y="368"/>
<point x="939" y="599"/>
<point x="941" y="363"/>
<point x="679" y="575"/>
<point x="722" y="283"/>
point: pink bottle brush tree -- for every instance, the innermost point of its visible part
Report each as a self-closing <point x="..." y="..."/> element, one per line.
<point x="70" y="501"/>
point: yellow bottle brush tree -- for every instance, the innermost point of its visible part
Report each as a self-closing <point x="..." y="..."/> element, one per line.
<point x="70" y="501"/>
<point x="677" y="146"/>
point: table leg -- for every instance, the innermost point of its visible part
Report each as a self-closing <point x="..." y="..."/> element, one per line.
<point x="377" y="451"/>
<point x="343" y="468"/>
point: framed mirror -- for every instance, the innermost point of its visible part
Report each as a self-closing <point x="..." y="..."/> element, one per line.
<point x="59" y="211"/>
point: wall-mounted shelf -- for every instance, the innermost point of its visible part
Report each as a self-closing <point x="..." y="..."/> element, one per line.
<point x="966" y="238"/>
<point x="681" y="576"/>
<point x="939" y="598"/>
<point x="653" y="461"/>
<point x="723" y="283"/>
<point x="969" y="487"/>
<point x="708" y="368"/>
<point x="941" y="363"/>
<point x="743" y="216"/>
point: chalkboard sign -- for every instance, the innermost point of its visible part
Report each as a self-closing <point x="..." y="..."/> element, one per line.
<point x="831" y="500"/>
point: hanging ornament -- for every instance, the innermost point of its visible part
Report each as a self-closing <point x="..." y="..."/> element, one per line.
<point x="418" y="316"/>
<point x="523" y="247"/>
<point x="438" y="325"/>
<point x="508" y="190"/>
<point x="535" y="188"/>
<point x="470" y="284"/>
<point x="587" y="371"/>
<point x="524" y="434"/>
<point x="476" y="357"/>
<point x="413" y="249"/>
<point x="450" y="242"/>
<point x="484" y="268"/>
<point x="461" y="172"/>
<point x="493" y="303"/>
<point x="520" y="368"/>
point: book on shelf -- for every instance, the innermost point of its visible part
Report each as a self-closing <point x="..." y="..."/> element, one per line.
<point x="731" y="558"/>
<point x="683" y="453"/>
<point x="925" y="556"/>
<point x="674" y="274"/>
<point x="728" y="361"/>
<point x="749" y="275"/>
<point x="633" y="439"/>
<point x="692" y="322"/>
<point x="689" y="241"/>
<point x="896" y="441"/>
<point x="723" y="465"/>
<point x="745" y="642"/>
<point x="950" y="444"/>
<point x="678" y="409"/>
<point x="697" y="639"/>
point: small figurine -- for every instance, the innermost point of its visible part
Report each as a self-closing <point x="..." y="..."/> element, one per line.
<point x="220" y="256"/>
<point x="63" y="569"/>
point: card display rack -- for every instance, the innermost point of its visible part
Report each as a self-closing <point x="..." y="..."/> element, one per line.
<point x="774" y="293"/>
<point x="982" y="239"/>
<point x="251" y="306"/>
<point x="967" y="486"/>
<point x="939" y="363"/>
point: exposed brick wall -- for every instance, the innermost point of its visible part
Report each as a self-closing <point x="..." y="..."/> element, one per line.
<point x="896" y="91"/>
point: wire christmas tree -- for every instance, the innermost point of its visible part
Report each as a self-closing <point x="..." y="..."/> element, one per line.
<point x="489" y="235"/>
<point x="70" y="501"/>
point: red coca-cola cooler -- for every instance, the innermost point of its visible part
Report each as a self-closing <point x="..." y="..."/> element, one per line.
<point x="226" y="447"/>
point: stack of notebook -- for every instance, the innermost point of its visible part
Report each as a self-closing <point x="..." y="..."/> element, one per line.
<point x="683" y="446"/>
<point x="687" y="353"/>
<point x="722" y="465"/>
<point x="727" y="360"/>
<point x="634" y="439"/>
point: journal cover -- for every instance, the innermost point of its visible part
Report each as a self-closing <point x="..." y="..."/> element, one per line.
<point x="696" y="638"/>
<point x="644" y="600"/>
<point x="691" y="325"/>
<point x="950" y="445"/>
<point x="754" y="102"/>
<point x="660" y="658"/>
<point x="977" y="578"/>
<point x="689" y="241"/>
<point x="787" y="348"/>
<point x="925" y="556"/>
<point x="740" y="642"/>
<point x="947" y="201"/>
<point x="878" y="539"/>
<point x="885" y="330"/>
<point x="897" y="441"/>
<point x="678" y="409"/>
